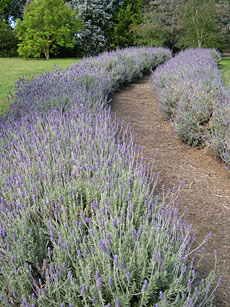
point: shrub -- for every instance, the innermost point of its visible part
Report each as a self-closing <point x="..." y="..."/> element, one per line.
<point x="185" y="87"/>
<point x="191" y="92"/>
<point x="80" y="223"/>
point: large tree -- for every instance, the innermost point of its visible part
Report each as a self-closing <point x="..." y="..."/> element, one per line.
<point x="199" y="24"/>
<point x="223" y="10"/>
<point x="98" y="19"/>
<point x="8" y="40"/>
<point x="159" y="24"/>
<point x="129" y="15"/>
<point x="46" y="25"/>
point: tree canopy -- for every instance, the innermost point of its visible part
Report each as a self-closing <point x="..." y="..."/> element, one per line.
<point x="98" y="19"/>
<point x="46" y="25"/>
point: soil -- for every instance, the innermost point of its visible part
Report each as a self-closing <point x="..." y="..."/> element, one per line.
<point x="206" y="190"/>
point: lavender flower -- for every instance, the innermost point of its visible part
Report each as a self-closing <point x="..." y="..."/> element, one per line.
<point x="115" y="261"/>
<point x="145" y="286"/>
<point x="83" y="290"/>
<point x="118" y="302"/>
<point x="99" y="284"/>
<point x="110" y="281"/>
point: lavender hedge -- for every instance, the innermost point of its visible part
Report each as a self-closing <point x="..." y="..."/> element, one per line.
<point x="191" y="93"/>
<point x="80" y="222"/>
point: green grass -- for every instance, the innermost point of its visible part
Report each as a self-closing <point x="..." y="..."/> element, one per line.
<point x="11" y="69"/>
<point x="225" y="68"/>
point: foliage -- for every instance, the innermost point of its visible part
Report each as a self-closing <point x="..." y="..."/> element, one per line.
<point x="160" y="24"/>
<point x="192" y="94"/>
<point x="79" y="216"/>
<point x="98" y="17"/>
<point x="4" y="9"/>
<point x="129" y="14"/>
<point x="8" y="40"/>
<point x="223" y="17"/>
<point x="184" y="23"/>
<point x="47" y="24"/>
<point x="185" y="87"/>
<point x="199" y="25"/>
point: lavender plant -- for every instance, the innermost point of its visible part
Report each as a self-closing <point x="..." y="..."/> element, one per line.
<point x="185" y="87"/>
<point x="192" y="94"/>
<point x="80" y="222"/>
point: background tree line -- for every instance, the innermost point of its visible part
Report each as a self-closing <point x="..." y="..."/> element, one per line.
<point x="87" y="27"/>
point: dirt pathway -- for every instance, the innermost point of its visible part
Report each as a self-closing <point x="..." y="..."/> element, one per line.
<point x="206" y="192"/>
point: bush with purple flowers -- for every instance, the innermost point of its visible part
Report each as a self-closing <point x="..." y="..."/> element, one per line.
<point x="80" y="222"/>
<point x="191" y="93"/>
<point x="185" y="87"/>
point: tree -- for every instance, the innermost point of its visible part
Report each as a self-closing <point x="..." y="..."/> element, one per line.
<point x="159" y="24"/>
<point x="98" y="19"/>
<point x="130" y="14"/>
<point x="8" y="40"/>
<point x="47" y="24"/>
<point x="12" y="8"/>
<point x="223" y="10"/>
<point x="199" y="25"/>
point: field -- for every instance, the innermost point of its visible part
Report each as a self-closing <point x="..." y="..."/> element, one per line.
<point x="11" y="69"/>
<point x="225" y="67"/>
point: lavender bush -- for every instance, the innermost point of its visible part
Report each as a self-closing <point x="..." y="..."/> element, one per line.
<point x="185" y="87"/>
<point x="192" y="94"/>
<point x="80" y="222"/>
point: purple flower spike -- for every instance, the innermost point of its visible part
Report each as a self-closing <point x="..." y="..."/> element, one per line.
<point x="145" y="286"/>
<point x="99" y="284"/>
<point x="140" y="231"/>
<point x="79" y="255"/>
<point x="108" y="239"/>
<point x="102" y="246"/>
<point x="110" y="281"/>
<point x="189" y="285"/>
<point x="115" y="223"/>
<point x="122" y="217"/>
<point x="118" y="302"/>
<point x="220" y="279"/>
<point x="208" y="237"/>
<point x="128" y="276"/>
<point x="134" y="235"/>
<point x="123" y="266"/>
<point x="83" y="290"/>
<point x="115" y="261"/>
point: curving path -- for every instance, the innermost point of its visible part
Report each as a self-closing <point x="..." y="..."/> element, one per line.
<point x="206" y="190"/>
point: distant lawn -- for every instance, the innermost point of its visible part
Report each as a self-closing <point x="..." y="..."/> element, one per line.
<point x="225" y="68"/>
<point x="11" y="69"/>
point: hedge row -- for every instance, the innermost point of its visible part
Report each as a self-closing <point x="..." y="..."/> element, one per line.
<point x="80" y="224"/>
<point x="191" y="93"/>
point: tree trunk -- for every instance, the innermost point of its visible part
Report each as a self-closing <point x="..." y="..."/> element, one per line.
<point x="47" y="53"/>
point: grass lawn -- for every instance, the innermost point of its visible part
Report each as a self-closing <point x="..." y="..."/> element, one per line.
<point x="11" y="69"/>
<point x="225" y="68"/>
